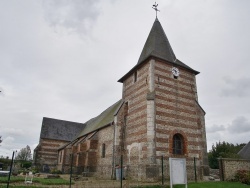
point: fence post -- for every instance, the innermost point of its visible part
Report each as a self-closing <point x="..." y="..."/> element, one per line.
<point x="162" y="177"/>
<point x="121" y="169"/>
<point x="195" y="174"/>
<point x="71" y="167"/>
<point x="12" y="159"/>
<point x="221" y="167"/>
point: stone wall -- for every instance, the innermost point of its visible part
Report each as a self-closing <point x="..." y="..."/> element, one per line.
<point x="178" y="112"/>
<point x="64" y="159"/>
<point x="160" y="106"/>
<point x="229" y="167"/>
<point x="92" y="154"/>
<point x="47" y="152"/>
<point x="135" y="89"/>
<point x="104" y="159"/>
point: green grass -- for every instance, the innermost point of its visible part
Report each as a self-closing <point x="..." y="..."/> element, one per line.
<point x="12" y="179"/>
<point x="50" y="182"/>
<point x="58" y="181"/>
<point x="21" y="186"/>
<point x="214" y="185"/>
<point x="205" y="185"/>
<point x="43" y="181"/>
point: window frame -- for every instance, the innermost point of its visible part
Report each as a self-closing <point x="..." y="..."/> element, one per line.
<point x="178" y="144"/>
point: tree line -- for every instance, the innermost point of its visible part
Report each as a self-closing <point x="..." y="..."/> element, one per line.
<point x="223" y="150"/>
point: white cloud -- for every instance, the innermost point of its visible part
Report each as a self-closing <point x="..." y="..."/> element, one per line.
<point x="12" y="131"/>
<point x="240" y="125"/>
<point x="215" y="128"/>
<point x="77" y="16"/>
<point x="236" y="87"/>
<point x="235" y="132"/>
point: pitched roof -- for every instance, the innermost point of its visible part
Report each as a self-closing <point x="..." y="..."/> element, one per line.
<point x="60" y="129"/>
<point x="102" y="120"/>
<point x="157" y="45"/>
<point x="245" y="151"/>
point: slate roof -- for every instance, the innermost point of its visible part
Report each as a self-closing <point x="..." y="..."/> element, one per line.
<point x="157" y="45"/>
<point x="60" y="129"/>
<point x="245" y="151"/>
<point x="102" y="120"/>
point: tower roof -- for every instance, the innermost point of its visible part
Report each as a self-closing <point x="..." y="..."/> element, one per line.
<point x="158" y="46"/>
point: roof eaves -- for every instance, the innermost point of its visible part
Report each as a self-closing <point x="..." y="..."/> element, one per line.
<point x="200" y="107"/>
<point x="131" y="70"/>
<point x="65" y="145"/>
<point x="118" y="109"/>
<point x="177" y="62"/>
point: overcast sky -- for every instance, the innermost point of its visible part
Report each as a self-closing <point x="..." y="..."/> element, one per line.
<point x="62" y="59"/>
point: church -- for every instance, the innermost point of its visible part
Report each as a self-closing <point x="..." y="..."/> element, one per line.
<point x="157" y="116"/>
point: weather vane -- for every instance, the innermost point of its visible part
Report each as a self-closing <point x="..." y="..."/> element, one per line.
<point x="156" y="9"/>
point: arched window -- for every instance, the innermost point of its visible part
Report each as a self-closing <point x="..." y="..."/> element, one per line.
<point x="103" y="151"/>
<point x="178" y="144"/>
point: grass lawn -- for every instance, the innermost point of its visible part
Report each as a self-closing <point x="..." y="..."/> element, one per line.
<point x="42" y="181"/>
<point x="215" y="185"/>
<point x="49" y="183"/>
<point x="206" y="185"/>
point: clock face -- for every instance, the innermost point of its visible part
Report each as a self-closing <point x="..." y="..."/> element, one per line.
<point x="175" y="71"/>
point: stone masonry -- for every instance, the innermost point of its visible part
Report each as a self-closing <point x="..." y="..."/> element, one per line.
<point x="159" y="116"/>
<point x="229" y="167"/>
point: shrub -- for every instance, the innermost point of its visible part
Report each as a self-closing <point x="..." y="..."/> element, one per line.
<point x="55" y="171"/>
<point x="26" y="164"/>
<point x="243" y="176"/>
<point x="35" y="169"/>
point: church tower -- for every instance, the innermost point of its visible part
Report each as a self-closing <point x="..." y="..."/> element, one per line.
<point x="162" y="116"/>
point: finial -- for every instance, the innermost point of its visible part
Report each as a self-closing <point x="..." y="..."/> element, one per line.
<point x="156" y="9"/>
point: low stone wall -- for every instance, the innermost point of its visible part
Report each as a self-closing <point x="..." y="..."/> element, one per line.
<point x="229" y="167"/>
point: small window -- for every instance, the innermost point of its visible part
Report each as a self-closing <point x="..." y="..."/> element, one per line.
<point x="135" y="76"/>
<point x="103" y="150"/>
<point x="178" y="144"/>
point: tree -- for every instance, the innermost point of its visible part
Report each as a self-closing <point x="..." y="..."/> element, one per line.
<point x="24" y="154"/>
<point x="1" y="139"/>
<point x="224" y="150"/>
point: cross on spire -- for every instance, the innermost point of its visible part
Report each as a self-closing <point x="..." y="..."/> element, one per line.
<point x="155" y="8"/>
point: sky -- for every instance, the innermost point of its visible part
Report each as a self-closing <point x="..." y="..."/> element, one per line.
<point x="62" y="59"/>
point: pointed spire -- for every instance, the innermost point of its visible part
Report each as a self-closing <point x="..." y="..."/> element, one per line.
<point x="157" y="45"/>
